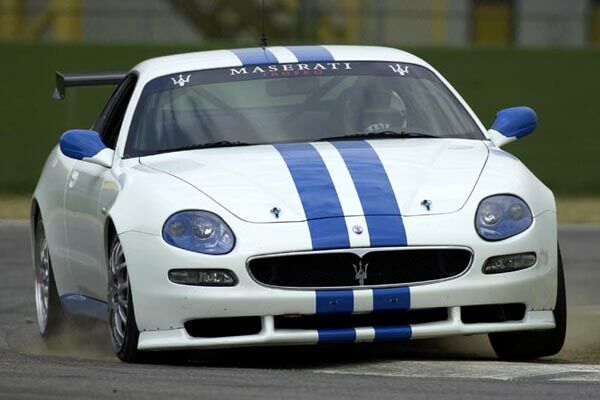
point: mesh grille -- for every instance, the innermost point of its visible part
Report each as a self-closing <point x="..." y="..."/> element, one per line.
<point x="340" y="269"/>
<point x="344" y="321"/>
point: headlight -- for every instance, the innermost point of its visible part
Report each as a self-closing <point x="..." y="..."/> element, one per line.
<point x="198" y="231"/>
<point x="500" y="217"/>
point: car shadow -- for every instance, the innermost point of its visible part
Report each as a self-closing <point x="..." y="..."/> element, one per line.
<point x="327" y="356"/>
<point x="94" y="344"/>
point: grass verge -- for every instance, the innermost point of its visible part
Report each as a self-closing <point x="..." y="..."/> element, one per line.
<point x="578" y="210"/>
<point x="571" y="210"/>
<point x="14" y="207"/>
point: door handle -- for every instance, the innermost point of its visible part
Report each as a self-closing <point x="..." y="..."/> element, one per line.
<point x="73" y="179"/>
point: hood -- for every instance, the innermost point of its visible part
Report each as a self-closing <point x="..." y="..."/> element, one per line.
<point x="330" y="179"/>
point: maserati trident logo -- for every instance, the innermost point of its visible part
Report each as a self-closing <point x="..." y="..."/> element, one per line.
<point x="427" y="204"/>
<point x="360" y="271"/>
<point x="276" y="211"/>
<point x="181" y="81"/>
<point x="399" y="69"/>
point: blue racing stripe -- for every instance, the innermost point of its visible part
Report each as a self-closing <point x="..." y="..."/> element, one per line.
<point x="380" y="207"/>
<point x="390" y="333"/>
<point x="328" y="233"/>
<point x="391" y="299"/>
<point x="311" y="53"/>
<point x="347" y="335"/>
<point x="318" y="196"/>
<point x="335" y="302"/>
<point x="256" y="55"/>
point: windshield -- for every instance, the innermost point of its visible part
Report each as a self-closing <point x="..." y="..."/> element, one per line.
<point x="294" y="103"/>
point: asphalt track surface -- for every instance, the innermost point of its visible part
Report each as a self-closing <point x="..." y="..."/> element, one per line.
<point x="456" y="368"/>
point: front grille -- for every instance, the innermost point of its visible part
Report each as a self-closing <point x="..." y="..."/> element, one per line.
<point x="342" y="269"/>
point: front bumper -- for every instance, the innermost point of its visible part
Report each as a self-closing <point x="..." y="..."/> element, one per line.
<point x="269" y="336"/>
<point x="162" y="307"/>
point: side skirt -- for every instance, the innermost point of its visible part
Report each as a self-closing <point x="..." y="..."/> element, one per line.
<point x="79" y="305"/>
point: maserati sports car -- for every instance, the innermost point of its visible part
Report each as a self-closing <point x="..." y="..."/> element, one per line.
<point x="297" y="195"/>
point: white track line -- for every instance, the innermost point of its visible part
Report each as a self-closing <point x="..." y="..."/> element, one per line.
<point x="495" y="370"/>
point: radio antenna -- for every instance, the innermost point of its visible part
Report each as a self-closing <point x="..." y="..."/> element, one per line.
<point x="264" y="39"/>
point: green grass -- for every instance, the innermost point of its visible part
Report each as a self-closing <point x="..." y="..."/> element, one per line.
<point x="561" y="85"/>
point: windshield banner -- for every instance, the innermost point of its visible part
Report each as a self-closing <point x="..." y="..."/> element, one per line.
<point x="294" y="70"/>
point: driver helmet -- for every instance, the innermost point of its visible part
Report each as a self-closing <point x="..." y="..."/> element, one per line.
<point x="375" y="110"/>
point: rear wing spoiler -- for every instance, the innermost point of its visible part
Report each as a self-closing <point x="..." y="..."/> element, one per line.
<point x="64" y="81"/>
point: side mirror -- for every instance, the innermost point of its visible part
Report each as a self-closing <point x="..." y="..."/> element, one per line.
<point x="86" y="145"/>
<point x="512" y="124"/>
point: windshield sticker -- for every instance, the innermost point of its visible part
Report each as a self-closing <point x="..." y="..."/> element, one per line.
<point x="286" y="70"/>
<point x="399" y="69"/>
<point x="181" y="81"/>
<point x="289" y="70"/>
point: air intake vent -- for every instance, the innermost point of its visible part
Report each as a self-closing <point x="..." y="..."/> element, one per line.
<point x="347" y="269"/>
<point x="223" y="327"/>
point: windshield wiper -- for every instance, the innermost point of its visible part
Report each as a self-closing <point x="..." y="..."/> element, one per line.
<point x="222" y="143"/>
<point x="380" y="135"/>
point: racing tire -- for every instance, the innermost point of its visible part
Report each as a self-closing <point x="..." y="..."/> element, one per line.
<point x="528" y="345"/>
<point x="52" y="320"/>
<point x="124" y="333"/>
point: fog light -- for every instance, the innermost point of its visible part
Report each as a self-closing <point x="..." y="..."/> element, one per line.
<point x="203" y="277"/>
<point x="508" y="263"/>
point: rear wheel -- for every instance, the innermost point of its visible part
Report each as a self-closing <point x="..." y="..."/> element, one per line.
<point x="51" y="318"/>
<point x="123" y="328"/>
<point x="527" y="345"/>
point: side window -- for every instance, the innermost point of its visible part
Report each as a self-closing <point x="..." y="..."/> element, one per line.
<point x="109" y="122"/>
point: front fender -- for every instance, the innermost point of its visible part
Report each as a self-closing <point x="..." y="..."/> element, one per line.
<point x="505" y="174"/>
<point x="146" y="198"/>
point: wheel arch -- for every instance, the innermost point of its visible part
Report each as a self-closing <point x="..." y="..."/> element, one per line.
<point x="110" y="231"/>
<point x="34" y="215"/>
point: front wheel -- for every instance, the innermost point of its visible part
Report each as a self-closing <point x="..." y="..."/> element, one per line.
<point x="51" y="318"/>
<point x="123" y="328"/>
<point x="527" y="345"/>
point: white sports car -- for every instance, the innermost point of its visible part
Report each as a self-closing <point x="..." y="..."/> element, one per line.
<point x="295" y="195"/>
